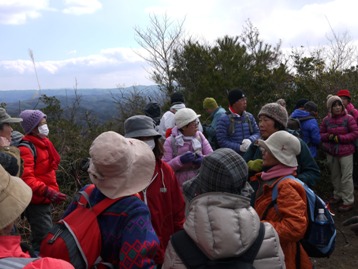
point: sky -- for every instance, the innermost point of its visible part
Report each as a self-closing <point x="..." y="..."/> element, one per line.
<point x="91" y="43"/>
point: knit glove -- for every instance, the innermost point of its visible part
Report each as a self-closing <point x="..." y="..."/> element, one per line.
<point x="245" y="145"/>
<point x="352" y="223"/>
<point x="187" y="157"/>
<point x="255" y="165"/>
<point x="56" y="197"/>
<point x="198" y="159"/>
<point x="333" y="138"/>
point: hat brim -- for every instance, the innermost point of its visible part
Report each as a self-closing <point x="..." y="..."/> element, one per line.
<point x="185" y="123"/>
<point x="276" y="154"/>
<point x="17" y="196"/>
<point x="135" y="177"/>
<point x="12" y="120"/>
<point x="142" y="133"/>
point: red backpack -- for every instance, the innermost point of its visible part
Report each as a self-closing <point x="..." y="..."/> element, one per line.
<point x="77" y="237"/>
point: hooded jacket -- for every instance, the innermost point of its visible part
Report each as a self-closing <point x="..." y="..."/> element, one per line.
<point x="309" y="129"/>
<point x="224" y="225"/>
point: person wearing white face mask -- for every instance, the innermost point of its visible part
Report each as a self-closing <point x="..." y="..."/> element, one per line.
<point x="40" y="174"/>
<point x="163" y="196"/>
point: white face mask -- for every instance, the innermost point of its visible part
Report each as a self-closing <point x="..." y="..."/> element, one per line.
<point x="43" y="130"/>
<point x="150" y="143"/>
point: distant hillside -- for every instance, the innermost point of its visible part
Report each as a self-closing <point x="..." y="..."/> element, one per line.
<point x="97" y="101"/>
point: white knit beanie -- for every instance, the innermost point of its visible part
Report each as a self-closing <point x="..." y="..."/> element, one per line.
<point x="185" y="116"/>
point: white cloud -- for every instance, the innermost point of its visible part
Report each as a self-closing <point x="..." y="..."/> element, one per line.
<point x="109" y="68"/>
<point x="80" y="7"/>
<point x="20" y="11"/>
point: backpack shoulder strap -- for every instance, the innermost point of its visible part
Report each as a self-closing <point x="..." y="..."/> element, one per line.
<point x="250" y="255"/>
<point x="174" y="146"/>
<point x="306" y="118"/>
<point x="251" y="129"/>
<point x="15" y="263"/>
<point x="193" y="257"/>
<point x="99" y="207"/>
<point x="273" y="202"/>
<point x="30" y="146"/>
<point x="232" y="122"/>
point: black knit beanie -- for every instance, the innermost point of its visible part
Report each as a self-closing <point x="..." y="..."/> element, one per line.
<point x="234" y="96"/>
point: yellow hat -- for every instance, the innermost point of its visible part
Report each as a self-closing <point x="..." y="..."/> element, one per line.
<point x="209" y="103"/>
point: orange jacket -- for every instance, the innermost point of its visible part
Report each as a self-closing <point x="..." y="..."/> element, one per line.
<point x="292" y="220"/>
<point x="41" y="174"/>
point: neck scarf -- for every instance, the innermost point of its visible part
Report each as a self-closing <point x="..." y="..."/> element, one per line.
<point x="276" y="171"/>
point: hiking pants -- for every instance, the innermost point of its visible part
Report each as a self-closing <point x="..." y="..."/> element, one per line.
<point x="342" y="177"/>
<point x="40" y="220"/>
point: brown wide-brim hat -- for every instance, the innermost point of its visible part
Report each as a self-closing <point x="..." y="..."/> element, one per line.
<point x="15" y="196"/>
<point x="120" y="166"/>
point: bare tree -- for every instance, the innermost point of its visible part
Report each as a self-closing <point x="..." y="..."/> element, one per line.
<point x="160" y="39"/>
<point x="341" y="53"/>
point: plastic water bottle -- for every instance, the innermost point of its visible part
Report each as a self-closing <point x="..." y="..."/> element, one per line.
<point x="321" y="221"/>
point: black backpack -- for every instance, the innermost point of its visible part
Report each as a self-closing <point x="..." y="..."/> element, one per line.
<point x="294" y="125"/>
<point x="153" y="110"/>
<point x="194" y="258"/>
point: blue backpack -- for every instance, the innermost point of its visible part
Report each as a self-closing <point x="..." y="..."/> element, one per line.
<point x="309" y="242"/>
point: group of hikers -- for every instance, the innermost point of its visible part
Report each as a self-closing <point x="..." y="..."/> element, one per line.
<point x="181" y="194"/>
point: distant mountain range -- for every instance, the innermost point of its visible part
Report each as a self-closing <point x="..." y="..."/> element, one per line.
<point x="100" y="102"/>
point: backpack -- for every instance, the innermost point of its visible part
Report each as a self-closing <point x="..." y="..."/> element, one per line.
<point x="77" y="237"/>
<point x="30" y="146"/>
<point x="232" y="122"/>
<point x="14" y="152"/>
<point x="314" y="202"/>
<point x="294" y="124"/>
<point x="193" y="257"/>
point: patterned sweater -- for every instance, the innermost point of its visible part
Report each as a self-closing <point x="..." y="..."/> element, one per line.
<point x="128" y="238"/>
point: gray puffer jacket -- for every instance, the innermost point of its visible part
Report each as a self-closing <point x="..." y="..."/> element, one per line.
<point x="224" y="225"/>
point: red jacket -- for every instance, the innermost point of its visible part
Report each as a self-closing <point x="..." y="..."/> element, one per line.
<point x="292" y="222"/>
<point x="166" y="204"/>
<point x="41" y="174"/>
<point x="10" y="248"/>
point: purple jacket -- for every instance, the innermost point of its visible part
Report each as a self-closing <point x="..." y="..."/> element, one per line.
<point x="183" y="172"/>
<point x="345" y="127"/>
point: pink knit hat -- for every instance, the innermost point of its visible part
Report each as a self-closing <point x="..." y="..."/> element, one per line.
<point x="31" y="118"/>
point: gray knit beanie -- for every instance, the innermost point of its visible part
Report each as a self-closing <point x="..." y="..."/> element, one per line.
<point x="331" y="100"/>
<point x="276" y="112"/>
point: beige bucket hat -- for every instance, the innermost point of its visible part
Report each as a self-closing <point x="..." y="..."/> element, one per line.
<point x="120" y="166"/>
<point x="15" y="196"/>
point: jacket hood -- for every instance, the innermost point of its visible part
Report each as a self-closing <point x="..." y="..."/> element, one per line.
<point x="298" y="113"/>
<point x="222" y="224"/>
